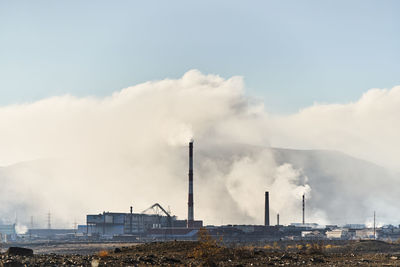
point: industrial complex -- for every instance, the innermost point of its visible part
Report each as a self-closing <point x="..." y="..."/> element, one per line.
<point x="161" y="225"/>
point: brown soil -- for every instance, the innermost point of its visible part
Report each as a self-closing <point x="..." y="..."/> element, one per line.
<point x="180" y="253"/>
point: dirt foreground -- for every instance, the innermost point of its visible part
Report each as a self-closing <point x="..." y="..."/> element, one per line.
<point x="180" y="253"/>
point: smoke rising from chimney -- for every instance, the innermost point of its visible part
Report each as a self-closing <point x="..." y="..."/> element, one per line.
<point x="86" y="155"/>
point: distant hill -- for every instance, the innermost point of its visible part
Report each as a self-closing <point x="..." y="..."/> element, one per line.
<point x="346" y="188"/>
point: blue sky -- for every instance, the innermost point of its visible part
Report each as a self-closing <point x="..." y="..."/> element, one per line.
<point x="291" y="53"/>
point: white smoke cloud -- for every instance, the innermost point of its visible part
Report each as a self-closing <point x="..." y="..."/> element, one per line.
<point x="86" y="155"/>
<point x="131" y="149"/>
<point x="368" y="128"/>
<point x="21" y="229"/>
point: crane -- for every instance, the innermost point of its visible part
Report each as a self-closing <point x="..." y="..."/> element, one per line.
<point x="157" y="207"/>
<point x="154" y="207"/>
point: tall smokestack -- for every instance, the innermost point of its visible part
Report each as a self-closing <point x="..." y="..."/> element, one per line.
<point x="190" y="202"/>
<point x="266" y="221"/>
<point x="304" y="206"/>
<point x="130" y="220"/>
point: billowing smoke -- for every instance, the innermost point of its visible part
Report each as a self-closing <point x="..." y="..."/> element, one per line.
<point x="367" y="128"/>
<point x="86" y="155"/>
<point x="349" y="190"/>
<point x="73" y="156"/>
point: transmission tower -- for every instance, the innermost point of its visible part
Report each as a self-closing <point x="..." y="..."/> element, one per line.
<point x="49" y="220"/>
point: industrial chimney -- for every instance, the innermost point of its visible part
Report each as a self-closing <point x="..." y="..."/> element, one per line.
<point x="304" y="206"/>
<point x="266" y="222"/>
<point x="190" y="202"/>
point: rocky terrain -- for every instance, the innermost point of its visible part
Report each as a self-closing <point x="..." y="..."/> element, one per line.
<point x="210" y="253"/>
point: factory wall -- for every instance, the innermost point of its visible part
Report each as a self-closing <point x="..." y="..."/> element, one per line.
<point x="112" y="224"/>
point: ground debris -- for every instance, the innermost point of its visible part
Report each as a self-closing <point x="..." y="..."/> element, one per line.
<point x="188" y="253"/>
<point x="20" y="251"/>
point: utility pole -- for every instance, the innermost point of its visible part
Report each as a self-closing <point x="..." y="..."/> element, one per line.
<point x="30" y="230"/>
<point x="49" y="220"/>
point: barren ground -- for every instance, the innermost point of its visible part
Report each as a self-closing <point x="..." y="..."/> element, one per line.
<point x="208" y="253"/>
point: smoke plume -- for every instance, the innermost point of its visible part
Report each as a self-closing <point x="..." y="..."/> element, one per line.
<point x="73" y="156"/>
<point x="85" y="155"/>
<point x="367" y="128"/>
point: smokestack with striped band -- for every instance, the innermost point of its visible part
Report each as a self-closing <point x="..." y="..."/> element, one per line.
<point x="190" y="202"/>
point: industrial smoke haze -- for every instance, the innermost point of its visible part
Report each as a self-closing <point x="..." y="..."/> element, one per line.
<point x="367" y="128"/>
<point x="75" y="156"/>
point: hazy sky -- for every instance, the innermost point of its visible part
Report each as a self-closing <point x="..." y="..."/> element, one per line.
<point x="290" y="53"/>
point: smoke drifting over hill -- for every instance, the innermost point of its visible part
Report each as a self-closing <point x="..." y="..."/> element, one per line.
<point x="86" y="155"/>
<point x="367" y="128"/>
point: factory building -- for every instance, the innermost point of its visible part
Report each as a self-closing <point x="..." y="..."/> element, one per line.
<point x="366" y="233"/>
<point x="137" y="224"/>
<point x="338" y="234"/>
<point x="61" y="234"/>
<point x="112" y="223"/>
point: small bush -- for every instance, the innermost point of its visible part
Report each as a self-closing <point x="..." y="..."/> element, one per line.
<point x="207" y="249"/>
<point x="103" y="254"/>
<point x="268" y="246"/>
<point x="315" y="248"/>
